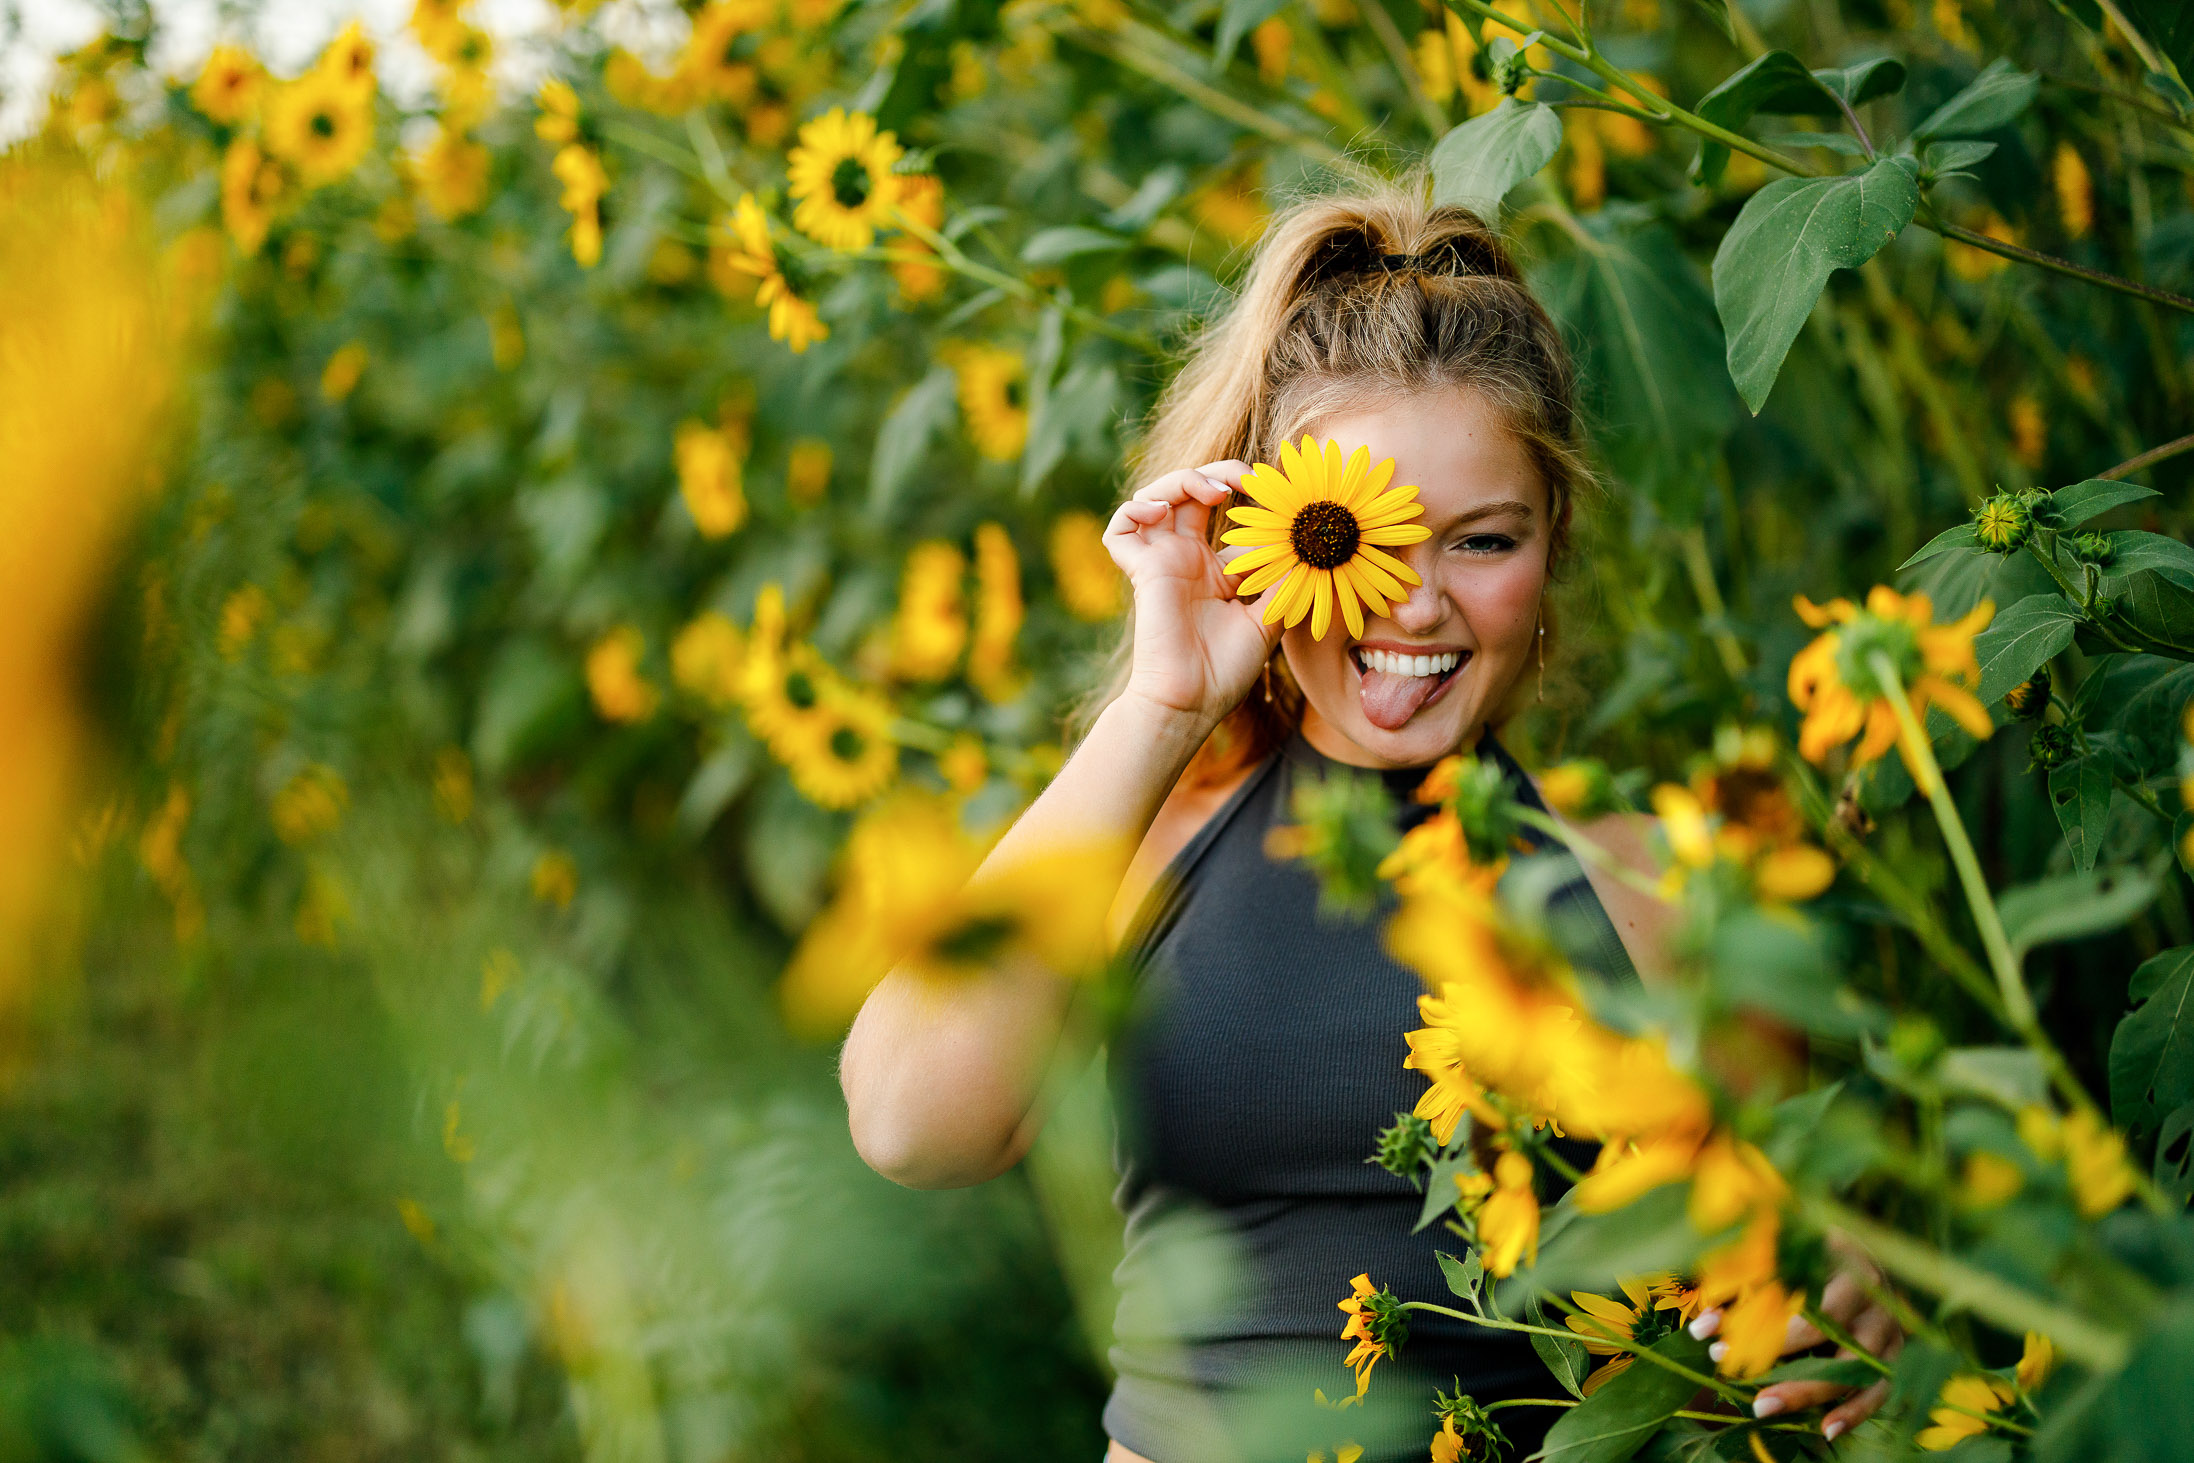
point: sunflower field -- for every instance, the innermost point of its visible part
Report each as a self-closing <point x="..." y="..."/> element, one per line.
<point x="539" y="556"/>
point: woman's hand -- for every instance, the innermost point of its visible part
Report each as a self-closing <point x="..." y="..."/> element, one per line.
<point x="1198" y="649"/>
<point x="1847" y="1300"/>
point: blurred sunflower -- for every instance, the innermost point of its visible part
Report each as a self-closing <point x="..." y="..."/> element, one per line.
<point x="434" y="22"/>
<point x="620" y="692"/>
<point x="807" y="471"/>
<point x="847" y="756"/>
<point x="993" y="398"/>
<point x="706" y="658"/>
<point x="709" y="479"/>
<point x="253" y="187"/>
<point x="1313" y="533"/>
<point x="783" y="692"/>
<point x="930" y="627"/>
<point x="710" y="62"/>
<point x="453" y="174"/>
<point x="840" y="174"/>
<point x="998" y="613"/>
<point x="749" y="253"/>
<point x="558" y="123"/>
<point x="229" y="85"/>
<point x="348" y="60"/>
<point x="1090" y="584"/>
<point x="321" y="125"/>
<point x="921" y="203"/>
<point x="579" y="168"/>
<point x="1833" y="680"/>
<point x="309" y="804"/>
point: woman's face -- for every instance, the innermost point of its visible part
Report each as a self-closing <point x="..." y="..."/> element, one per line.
<point x="1474" y="617"/>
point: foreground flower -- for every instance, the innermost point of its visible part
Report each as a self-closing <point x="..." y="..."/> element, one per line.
<point x="1754" y="1327"/>
<point x="1375" y="1324"/>
<point x="1312" y="536"/>
<point x="840" y="176"/>
<point x="1963" y="1411"/>
<point x="749" y="253"/>
<point x="1467" y="1431"/>
<point x="1834" y="683"/>
<point x="321" y="125"/>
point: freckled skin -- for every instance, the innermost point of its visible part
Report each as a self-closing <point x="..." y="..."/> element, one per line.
<point x="1483" y="571"/>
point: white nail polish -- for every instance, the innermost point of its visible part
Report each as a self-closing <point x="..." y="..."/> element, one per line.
<point x="1706" y="1325"/>
<point x="1766" y="1406"/>
<point x="1832" y="1429"/>
<point x="1717" y="1351"/>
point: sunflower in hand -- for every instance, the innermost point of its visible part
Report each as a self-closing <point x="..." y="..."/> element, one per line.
<point x="1316" y="534"/>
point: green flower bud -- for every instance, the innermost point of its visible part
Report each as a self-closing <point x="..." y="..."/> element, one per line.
<point x="1404" y="1147"/>
<point x="2092" y="548"/>
<point x="2030" y="698"/>
<point x="2003" y="522"/>
<point x="2051" y="747"/>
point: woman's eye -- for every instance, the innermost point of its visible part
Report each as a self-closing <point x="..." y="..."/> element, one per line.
<point x="1487" y="543"/>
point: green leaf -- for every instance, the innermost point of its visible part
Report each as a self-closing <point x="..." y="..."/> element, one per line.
<point x="717" y="781"/>
<point x="2156" y="606"/>
<point x="1476" y="164"/>
<point x="1650" y="348"/>
<point x="2080" y="791"/>
<point x="2000" y="93"/>
<point x="1440" y="1190"/>
<point x="2152" y="1051"/>
<point x="1863" y="81"/>
<point x="2073" y="905"/>
<point x="1842" y="142"/>
<point x="2080" y="502"/>
<point x="903" y="440"/>
<point x="1466" y="1277"/>
<point x="1047" y="438"/>
<point x="2181" y="843"/>
<point x="2009" y="1076"/>
<point x="1592" y="1250"/>
<point x="1567" y="1360"/>
<point x="2132" y="552"/>
<point x="2168" y="25"/>
<point x="1790" y="237"/>
<point x="1776" y="82"/>
<point x="1847" y="1371"/>
<point x="2021" y="640"/>
<point x="2174" y="1170"/>
<point x="1964" y="536"/>
<point x="1615" y="1422"/>
<point x="532" y="696"/>
<point x="1069" y="242"/>
<point x="1238" y="19"/>
<point x="1949" y="157"/>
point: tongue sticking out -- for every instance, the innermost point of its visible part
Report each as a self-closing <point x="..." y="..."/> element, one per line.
<point x="1390" y="700"/>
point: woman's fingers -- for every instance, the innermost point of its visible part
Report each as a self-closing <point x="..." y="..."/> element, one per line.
<point x="1855" y="1411"/>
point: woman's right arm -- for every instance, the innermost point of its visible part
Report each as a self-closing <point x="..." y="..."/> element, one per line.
<point x="941" y="1081"/>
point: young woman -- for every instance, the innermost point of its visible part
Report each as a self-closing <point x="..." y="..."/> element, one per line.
<point x="1265" y="1052"/>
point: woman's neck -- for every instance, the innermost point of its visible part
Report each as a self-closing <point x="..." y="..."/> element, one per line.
<point x="1335" y="745"/>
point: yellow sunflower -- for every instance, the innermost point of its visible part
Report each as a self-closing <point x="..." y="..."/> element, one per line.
<point x="1090" y="584"/>
<point x="321" y="124"/>
<point x="453" y="174"/>
<point x="706" y="658"/>
<point x="922" y="203"/>
<point x="998" y="614"/>
<point x="930" y="628"/>
<point x="579" y="168"/>
<point x="847" y="756"/>
<point x="841" y="176"/>
<point x="253" y="186"/>
<point x="1833" y="680"/>
<point x="1313" y="537"/>
<point x="783" y="690"/>
<point x="710" y="63"/>
<point x="748" y="253"/>
<point x="993" y="398"/>
<point x="348" y="60"/>
<point x="709" y="478"/>
<point x="229" y="86"/>
<point x="1606" y="1323"/>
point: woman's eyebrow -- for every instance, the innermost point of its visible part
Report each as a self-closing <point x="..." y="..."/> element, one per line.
<point x="1497" y="508"/>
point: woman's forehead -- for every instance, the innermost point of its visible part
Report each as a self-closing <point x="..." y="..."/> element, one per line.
<point x="1453" y="446"/>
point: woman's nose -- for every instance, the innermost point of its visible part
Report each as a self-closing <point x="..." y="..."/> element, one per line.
<point x="1421" y="612"/>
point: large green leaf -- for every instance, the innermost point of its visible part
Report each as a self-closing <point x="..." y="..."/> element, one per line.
<point x="2168" y="25"/>
<point x="1863" y="81"/>
<point x="2133" y="552"/>
<point x="1476" y="164"/>
<point x="2152" y="1053"/>
<point x="1964" y="536"/>
<point x="2174" y="1168"/>
<point x="1790" y="237"/>
<point x="1776" y="82"/>
<point x="2080" y="791"/>
<point x="1649" y="347"/>
<point x="2022" y="640"/>
<point x="2157" y="605"/>
<point x="2001" y="92"/>
<point x="903" y="440"/>
<point x="2073" y="906"/>
<point x="1567" y="1360"/>
<point x="2075" y="505"/>
<point x="1615" y="1422"/>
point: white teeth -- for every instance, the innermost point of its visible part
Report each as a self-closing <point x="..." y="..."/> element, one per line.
<point x="1410" y="665"/>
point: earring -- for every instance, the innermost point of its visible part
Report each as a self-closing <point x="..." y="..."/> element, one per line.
<point x="1267" y="679"/>
<point x="1542" y="650"/>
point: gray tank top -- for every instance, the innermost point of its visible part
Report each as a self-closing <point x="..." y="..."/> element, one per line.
<point x="1261" y="1057"/>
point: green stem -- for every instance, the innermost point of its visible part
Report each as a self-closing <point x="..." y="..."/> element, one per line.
<point x="1333" y="78"/>
<point x="1532" y="1402"/>
<point x="2010" y="983"/>
<point x="1716" y="1385"/>
<point x="2150" y="458"/>
<point x="1960" y="1285"/>
<point x="1591" y="853"/>
<point x="954" y="258"/>
<point x="1128" y="48"/>
<point x="2054" y="265"/>
<point x="1821" y="1323"/>
<point x="1396" y="46"/>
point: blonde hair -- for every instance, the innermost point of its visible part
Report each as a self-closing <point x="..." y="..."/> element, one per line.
<point x="1354" y="301"/>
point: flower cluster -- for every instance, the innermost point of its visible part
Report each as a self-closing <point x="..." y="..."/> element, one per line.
<point x="1835" y="682"/>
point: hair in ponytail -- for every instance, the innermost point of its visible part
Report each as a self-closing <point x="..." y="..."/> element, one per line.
<point x="1353" y="301"/>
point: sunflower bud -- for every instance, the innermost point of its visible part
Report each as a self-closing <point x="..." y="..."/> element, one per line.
<point x="2004" y="522"/>
<point x="1509" y="66"/>
<point x="2051" y="747"/>
<point x="1404" y="1147"/>
<point x="1467" y="1430"/>
<point x="2030" y="698"/>
<point x="2092" y="548"/>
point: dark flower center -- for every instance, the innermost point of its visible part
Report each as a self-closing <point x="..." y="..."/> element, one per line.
<point x="1324" y="534"/>
<point x="847" y="745"/>
<point x="323" y="124"/>
<point x="849" y="183"/>
<point x="800" y="690"/>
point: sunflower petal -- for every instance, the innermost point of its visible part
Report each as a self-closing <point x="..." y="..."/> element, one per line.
<point x="1263" y="577"/>
<point x="1352" y="610"/>
<point x="1252" y="536"/>
<point x="1389" y="563"/>
<point x="1276" y="600"/>
<point x="1336" y="469"/>
<point x="1350" y="492"/>
<point x="1397" y="534"/>
<point x="1253" y="517"/>
<point x="1321" y="604"/>
<point x="1378" y="585"/>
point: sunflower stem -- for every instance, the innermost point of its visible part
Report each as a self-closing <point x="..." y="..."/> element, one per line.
<point x="1821" y="1323"/>
<point x="1531" y="1402"/>
<point x="1591" y="853"/>
<point x="955" y="259"/>
<point x="1716" y="1385"/>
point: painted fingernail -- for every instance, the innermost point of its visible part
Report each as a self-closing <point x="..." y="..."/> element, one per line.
<point x="1717" y="1351"/>
<point x="1833" y="1428"/>
<point x="1766" y="1406"/>
<point x="1796" y="1327"/>
<point x="1706" y="1325"/>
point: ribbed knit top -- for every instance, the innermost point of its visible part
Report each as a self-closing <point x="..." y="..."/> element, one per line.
<point x="1261" y="1058"/>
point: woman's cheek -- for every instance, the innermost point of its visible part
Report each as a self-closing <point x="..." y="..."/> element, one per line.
<point x="1500" y="602"/>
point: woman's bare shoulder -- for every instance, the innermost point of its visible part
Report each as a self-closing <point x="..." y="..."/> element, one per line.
<point x="1643" y="922"/>
<point x="1183" y="814"/>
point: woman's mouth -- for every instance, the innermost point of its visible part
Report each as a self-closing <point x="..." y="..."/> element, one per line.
<point x="1395" y="685"/>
